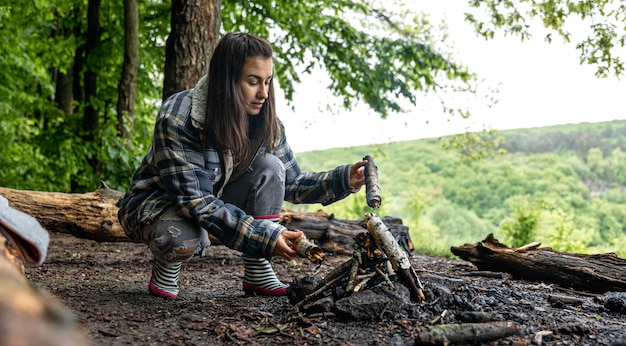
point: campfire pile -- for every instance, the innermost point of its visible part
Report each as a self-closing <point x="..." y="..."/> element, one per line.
<point x="378" y="273"/>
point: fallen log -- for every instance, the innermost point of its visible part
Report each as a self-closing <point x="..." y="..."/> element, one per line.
<point x="592" y="273"/>
<point x="93" y="215"/>
<point x="447" y="334"/>
<point x="337" y="235"/>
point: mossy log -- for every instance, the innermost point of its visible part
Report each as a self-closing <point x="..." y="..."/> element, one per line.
<point x="448" y="334"/>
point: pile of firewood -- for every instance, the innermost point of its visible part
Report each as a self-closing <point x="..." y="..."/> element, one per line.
<point x="377" y="258"/>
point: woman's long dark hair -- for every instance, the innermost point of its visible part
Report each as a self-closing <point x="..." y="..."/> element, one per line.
<point x="226" y="126"/>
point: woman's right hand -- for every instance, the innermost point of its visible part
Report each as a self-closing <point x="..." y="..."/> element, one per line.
<point x="283" y="247"/>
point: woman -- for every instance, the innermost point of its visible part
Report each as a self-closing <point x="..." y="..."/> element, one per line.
<point x="220" y="164"/>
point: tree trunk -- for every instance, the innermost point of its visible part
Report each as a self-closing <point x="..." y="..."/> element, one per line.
<point x="90" y="87"/>
<point x="64" y="97"/>
<point x="194" y="34"/>
<point x="593" y="273"/>
<point x="93" y="216"/>
<point x="127" y="90"/>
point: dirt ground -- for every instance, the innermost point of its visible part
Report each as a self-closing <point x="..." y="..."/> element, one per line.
<point x="105" y="287"/>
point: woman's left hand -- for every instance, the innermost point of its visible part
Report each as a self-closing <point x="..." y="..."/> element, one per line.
<point x="283" y="247"/>
<point x="357" y="174"/>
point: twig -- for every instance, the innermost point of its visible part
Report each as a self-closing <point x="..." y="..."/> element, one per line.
<point x="356" y="261"/>
<point x="386" y="278"/>
<point x="316" y="293"/>
<point x="440" y="317"/>
<point x="365" y="276"/>
<point x="361" y="284"/>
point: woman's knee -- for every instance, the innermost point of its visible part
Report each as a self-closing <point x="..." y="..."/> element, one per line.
<point x="270" y="167"/>
<point x="175" y="241"/>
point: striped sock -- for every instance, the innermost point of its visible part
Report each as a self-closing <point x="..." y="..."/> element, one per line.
<point x="164" y="280"/>
<point x="259" y="277"/>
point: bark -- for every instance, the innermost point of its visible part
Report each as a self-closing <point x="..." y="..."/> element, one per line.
<point x="127" y="89"/>
<point x="93" y="215"/>
<point x="63" y="96"/>
<point x="593" y="273"/>
<point x="194" y="34"/>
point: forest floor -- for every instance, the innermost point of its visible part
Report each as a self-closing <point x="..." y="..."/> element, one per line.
<point x="105" y="286"/>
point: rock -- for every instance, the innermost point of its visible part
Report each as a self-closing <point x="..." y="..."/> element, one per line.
<point x="301" y="287"/>
<point x="615" y="301"/>
<point x="377" y="303"/>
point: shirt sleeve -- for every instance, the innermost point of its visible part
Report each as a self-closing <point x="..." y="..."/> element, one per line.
<point x="179" y="159"/>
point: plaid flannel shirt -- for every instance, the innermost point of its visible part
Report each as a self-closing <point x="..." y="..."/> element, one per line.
<point x="180" y="170"/>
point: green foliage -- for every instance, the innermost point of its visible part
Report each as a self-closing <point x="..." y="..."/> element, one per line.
<point x="426" y="238"/>
<point x="376" y="54"/>
<point x="457" y="224"/>
<point x="561" y="233"/>
<point x="604" y="21"/>
<point x="475" y="146"/>
<point x="520" y="228"/>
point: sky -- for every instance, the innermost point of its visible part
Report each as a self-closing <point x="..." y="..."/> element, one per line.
<point x="540" y="84"/>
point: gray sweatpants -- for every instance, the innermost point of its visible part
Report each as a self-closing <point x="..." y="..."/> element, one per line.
<point x="259" y="191"/>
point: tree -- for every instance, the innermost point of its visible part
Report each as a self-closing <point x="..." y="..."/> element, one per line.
<point x="600" y="44"/>
<point x="193" y="36"/>
<point x="520" y="228"/>
<point x="127" y="89"/>
<point x="75" y="136"/>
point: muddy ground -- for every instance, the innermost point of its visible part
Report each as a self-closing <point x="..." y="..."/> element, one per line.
<point x="105" y="286"/>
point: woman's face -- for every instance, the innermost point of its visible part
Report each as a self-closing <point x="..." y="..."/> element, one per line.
<point x="255" y="82"/>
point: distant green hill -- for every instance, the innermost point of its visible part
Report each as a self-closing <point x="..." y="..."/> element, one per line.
<point x="578" y="138"/>
<point x="562" y="185"/>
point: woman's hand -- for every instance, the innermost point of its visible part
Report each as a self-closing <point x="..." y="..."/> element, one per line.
<point x="283" y="245"/>
<point x="357" y="175"/>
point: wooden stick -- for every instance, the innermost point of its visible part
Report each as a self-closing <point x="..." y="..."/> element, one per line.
<point x="364" y="279"/>
<point x="307" y="249"/>
<point x="372" y="189"/>
<point x="316" y="293"/>
<point x="354" y="269"/>
<point x="399" y="260"/>
<point x="386" y="278"/>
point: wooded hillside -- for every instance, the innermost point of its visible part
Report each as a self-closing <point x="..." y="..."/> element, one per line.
<point x="564" y="186"/>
